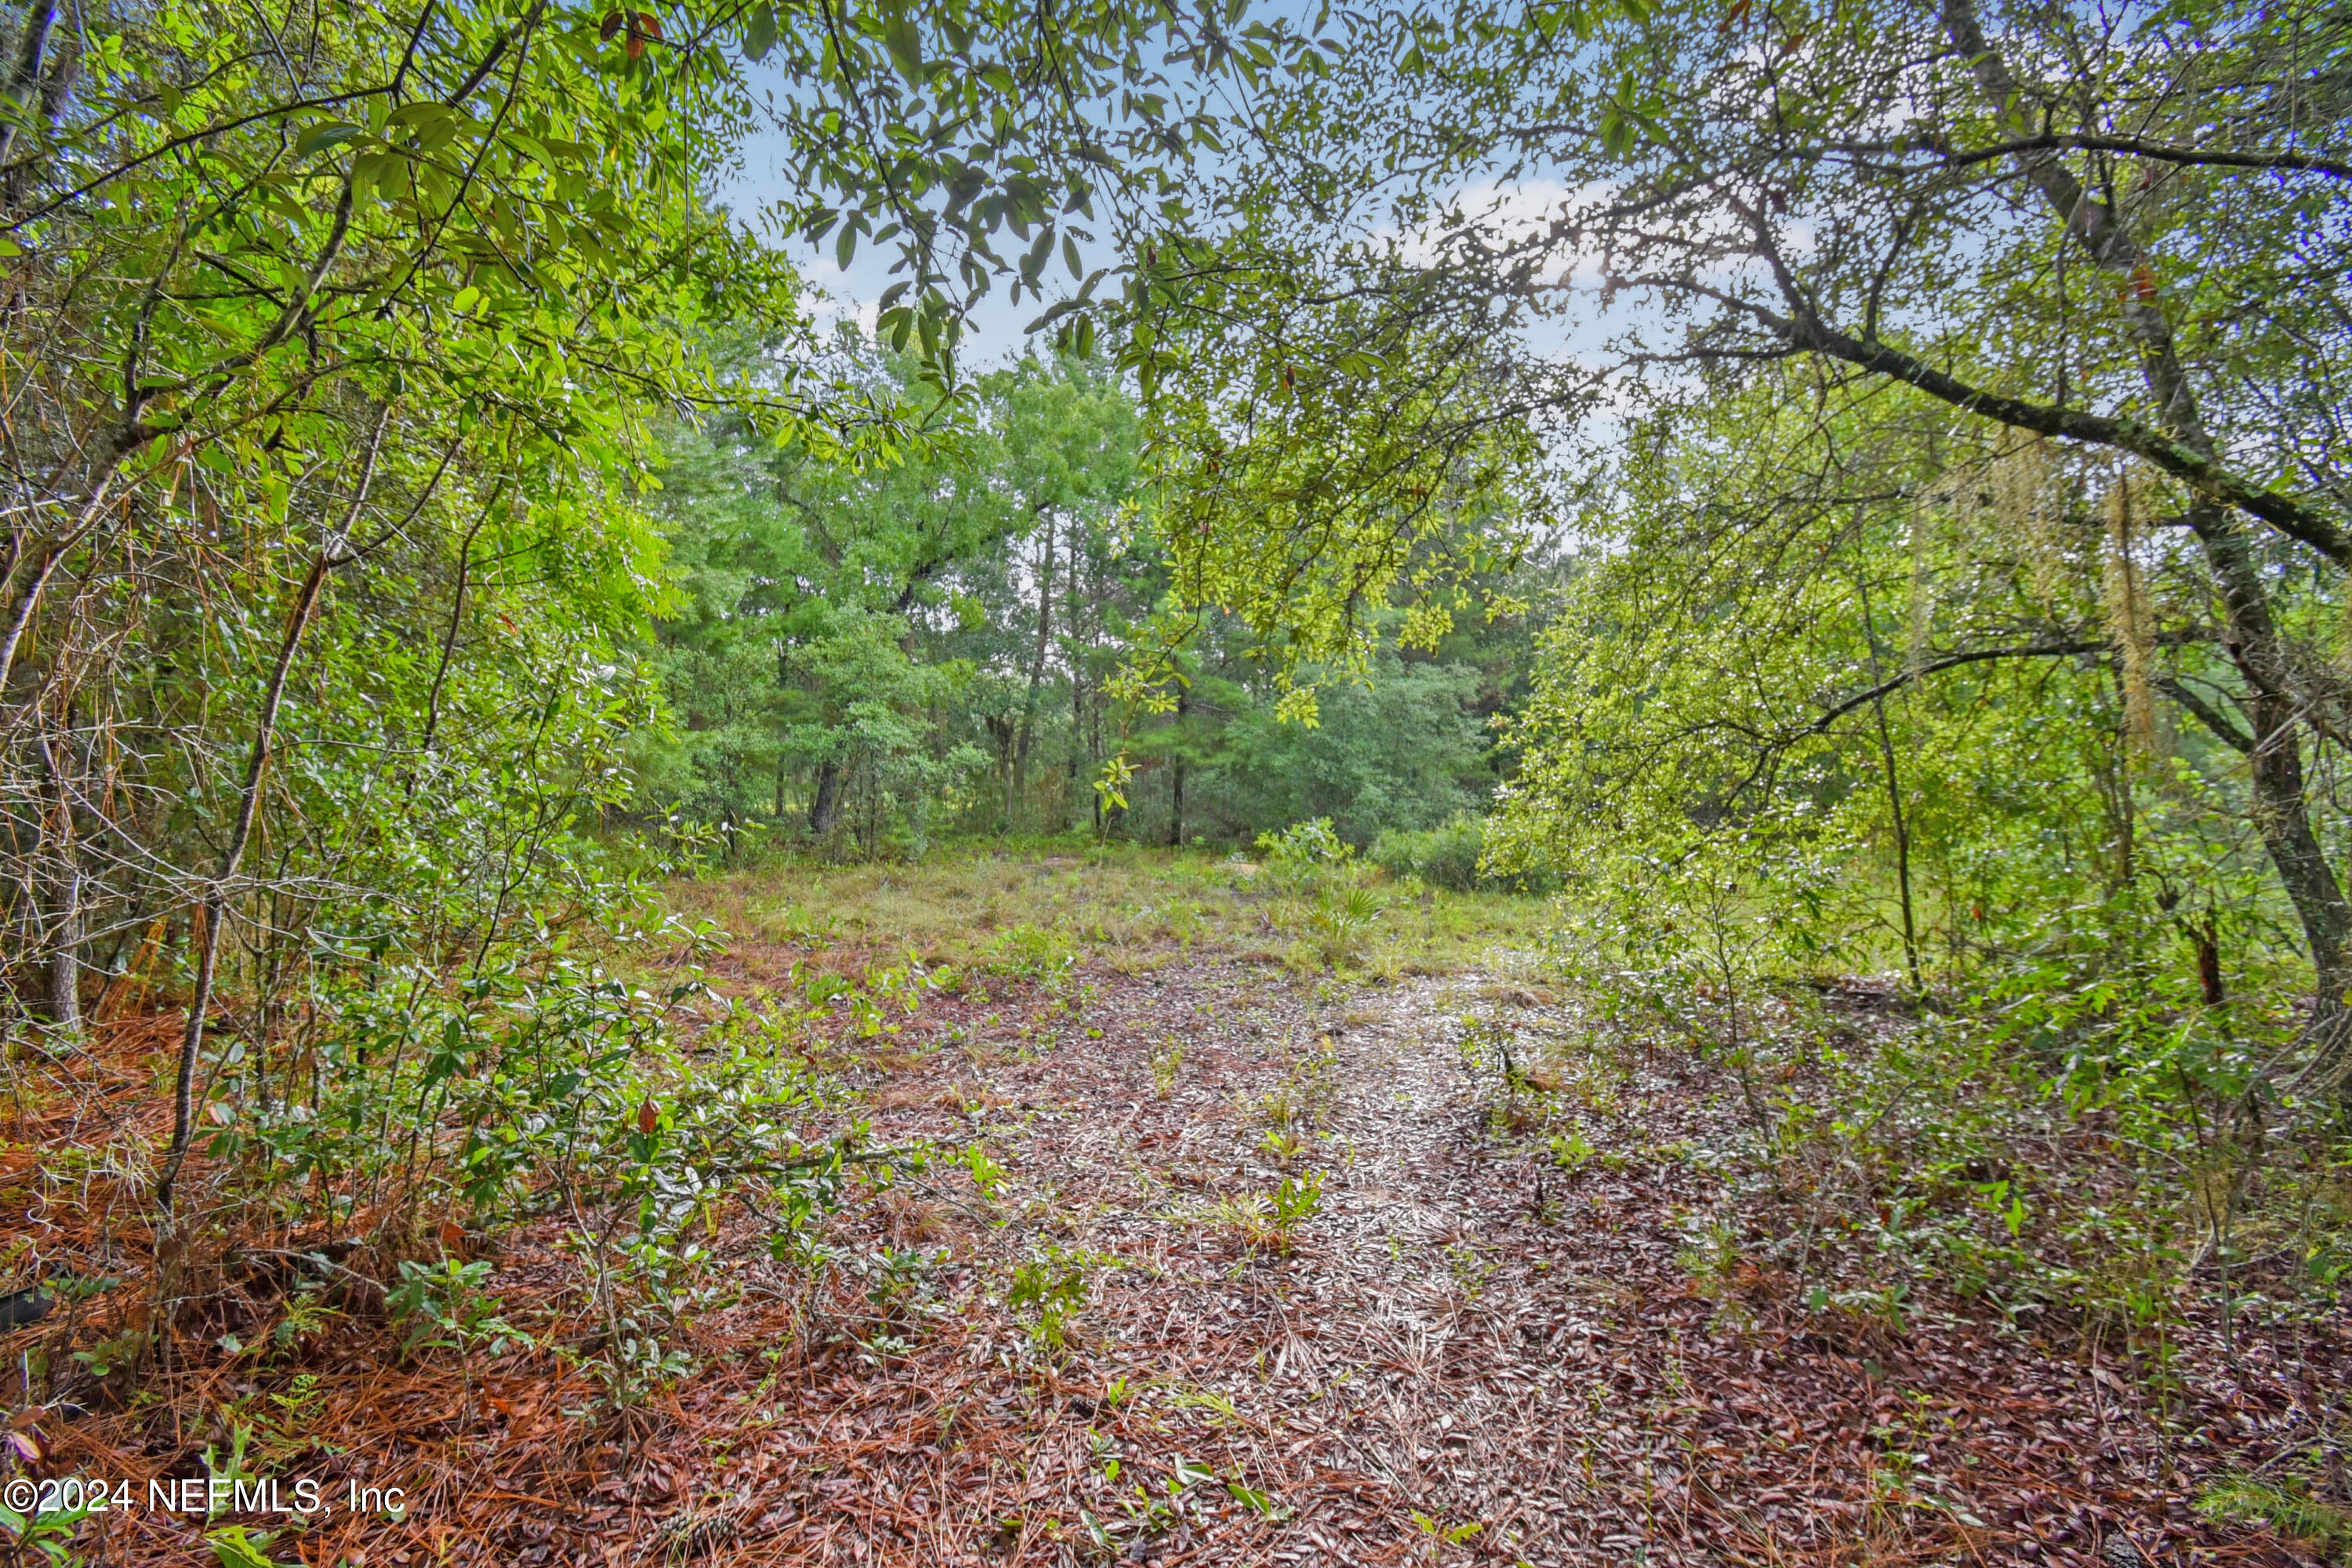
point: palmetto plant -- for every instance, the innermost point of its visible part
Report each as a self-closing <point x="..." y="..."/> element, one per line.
<point x="1342" y="919"/>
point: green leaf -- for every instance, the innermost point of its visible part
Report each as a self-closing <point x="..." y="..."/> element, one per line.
<point x="234" y="1546"/>
<point x="1054" y="313"/>
<point x="760" y="32"/>
<point x="426" y="114"/>
<point x="905" y="42"/>
<point x="320" y="137"/>
<point x="1033" y="264"/>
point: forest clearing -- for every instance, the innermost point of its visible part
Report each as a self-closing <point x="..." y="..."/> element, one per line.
<point x="1177" y="781"/>
<point x="1191" y="1250"/>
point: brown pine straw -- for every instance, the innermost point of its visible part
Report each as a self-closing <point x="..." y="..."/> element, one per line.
<point x="1464" y="1334"/>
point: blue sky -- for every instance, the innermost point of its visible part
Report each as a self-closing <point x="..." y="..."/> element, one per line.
<point x="992" y="334"/>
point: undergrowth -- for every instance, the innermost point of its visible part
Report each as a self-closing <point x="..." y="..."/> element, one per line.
<point x="2093" y="1169"/>
<point x="1131" y="909"/>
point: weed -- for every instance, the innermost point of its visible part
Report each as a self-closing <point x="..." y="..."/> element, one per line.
<point x="2127" y="1295"/>
<point x="1127" y="902"/>
<point x="2286" y="1506"/>
<point x="1167" y="1061"/>
<point x="1271" y="1220"/>
<point x="1488" y="1048"/>
<point x="234" y="1546"/>
<point x="986" y="1174"/>
<point x="1050" y="1290"/>
<point x="1305" y="1094"/>
<point x="1257" y="1503"/>
<point x="1220" y="1407"/>
<point x="1295" y="1201"/>
<point x="445" y="1308"/>
<point x="1283" y="1143"/>
<point x="793" y="923"/>
<point x="114" y="1356"/>
<point x="1440" y="1535"/>
<point x="1148" y="1513"/>
<point x="900" y="1291"/>
<point x="1877" y="1306"/>
<point x="1045" y="958"/>
<point x="51" y="1533"/>
<point x="1302" y="855"/>
<point x="1710" y="1257"/>
<point x="306" y="1315"/>
<point x="1340" y="923"/>
<point x="1468" y="1269"/>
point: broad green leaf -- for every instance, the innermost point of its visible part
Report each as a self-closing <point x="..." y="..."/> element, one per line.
<point x="905" y="41"/>
<point x="760" y="31"/>
<point x="320" y="137"/>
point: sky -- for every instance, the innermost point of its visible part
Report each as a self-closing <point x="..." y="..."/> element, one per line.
<point x="993" y="332"/>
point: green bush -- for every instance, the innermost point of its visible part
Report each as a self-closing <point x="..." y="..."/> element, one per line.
<point x="1448" y="856"/>
<point x="1444" y="856"/>
<point x="1303" y="856"/>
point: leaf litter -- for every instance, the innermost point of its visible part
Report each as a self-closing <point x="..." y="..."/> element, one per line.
<point x="1236" y="1269"/>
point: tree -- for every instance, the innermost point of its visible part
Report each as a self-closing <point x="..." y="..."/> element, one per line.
<point x="1949" y="702"/>
<point x="327" y="324"/>
<point x="2118" y="233"/>
<point x="970" y="579"/>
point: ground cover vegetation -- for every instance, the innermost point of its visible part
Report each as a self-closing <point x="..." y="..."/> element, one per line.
<point x="1599" y="819"/>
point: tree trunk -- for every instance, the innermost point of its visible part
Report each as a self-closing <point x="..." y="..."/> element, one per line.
<point x="1176" y="796"/>
<point x="1036" y="671"/>
<point x="824" y="803"/>
<point x="24" y="77"/>
<point x="42" y="73"/>
<point x="212" y="912"/>
<point x="1073" y="624"/>
<point x="214" y="907"/>
<point x="2206" y="936"/>
<point x="2281" y="808"/>
<point x="1078" y="765"/>
<point x="1894" y="795"/>
<point x="1001" y="731"/>
<point x="64" y="922"/>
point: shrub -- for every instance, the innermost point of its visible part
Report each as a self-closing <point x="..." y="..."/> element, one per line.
<point x="1444" y="856"/>
<point x="1300" y="856"/>
<point x="1448" y="856"/>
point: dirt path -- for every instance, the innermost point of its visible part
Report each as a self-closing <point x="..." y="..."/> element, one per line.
<point x="1465" y="1353"/>
<point x="1237" y="1268"/>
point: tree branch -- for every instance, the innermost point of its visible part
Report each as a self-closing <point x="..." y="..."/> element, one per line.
<point x="1980" y="656"/>
<point x="2129" y="146"/>
<point x="2296" y="519"/>
<point x="2205" y="713"/>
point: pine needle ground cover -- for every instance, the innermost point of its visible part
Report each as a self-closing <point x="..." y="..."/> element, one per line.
<point x="1150" y="1240"/>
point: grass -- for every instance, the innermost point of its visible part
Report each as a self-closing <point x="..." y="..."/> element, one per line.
<point x="2286" y="1507"/>
<point x="1133" y="908"/>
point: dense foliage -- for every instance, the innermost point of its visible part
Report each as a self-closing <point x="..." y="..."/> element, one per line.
<point x="1946" y="366"/>
<point x="872" y="658"/>
<point x="339" y="344"/>
<point x="1794" y="499"/>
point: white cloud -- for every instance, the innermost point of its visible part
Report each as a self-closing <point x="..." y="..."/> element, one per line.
<point x="1500" y="213"/>
<point x="827" y="310"/>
